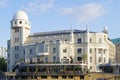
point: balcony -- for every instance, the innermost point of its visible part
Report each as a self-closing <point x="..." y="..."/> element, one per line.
<point x="43" y="54"/>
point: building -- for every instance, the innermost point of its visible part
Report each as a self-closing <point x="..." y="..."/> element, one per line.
<point x="3" y="52"/>
<point x="113" y="68"/>
<point x="116" y="41"/>
<point x="63" y="46"/>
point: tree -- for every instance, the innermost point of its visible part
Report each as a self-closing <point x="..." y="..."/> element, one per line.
<point x="3" y="64"/>
<point x="84" y="58"/>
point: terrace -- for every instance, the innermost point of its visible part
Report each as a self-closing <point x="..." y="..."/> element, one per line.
<point x="52" y="69"/>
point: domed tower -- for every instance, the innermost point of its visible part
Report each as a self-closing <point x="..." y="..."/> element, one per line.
<point x="20" y="26"/>
<point x="105" y="30"/>
<point x="20" y="30"/>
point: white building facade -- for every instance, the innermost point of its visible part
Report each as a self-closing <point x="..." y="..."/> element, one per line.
<point x="63" y="46"/>
<point x="3" y="52"/>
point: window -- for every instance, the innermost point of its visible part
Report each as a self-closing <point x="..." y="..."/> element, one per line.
<point x="54" y="58"/>
<point x="30" y="60"/>
<point x="46" y="59"/>
<point x="24" y="52"/>
<point x="90" y="40"/>
<point x="79" y="40"/>
<point x="16" y="48"/>
<point x="50" y="41"/>
<point x="20" y="22"/>
<point x="57" y="40"/>
<point x="90" y="59"/>
<point x="16" y="56"/>
<point x="30" y="51"/>
<point x="16" y="39"/>
<point x="65" y="50"/>
<point x="43" y="48"/>
<point x="54" y="77"/>
<point x="79" y="58"/>
<point x="100" y="51"/>
<point x="70" y="77"/>
<point x="90" y="67"/>
<point x="8" y="55"/>
<point x="43" y="77"/>
<point x="65" y="40"/>
<point x="64" y="77"/>
<point x="43" y="41"/>
<point x="99" y="59"/>
<point x="16" y="29"/>
<point x="54" y="50"/>
<point x="90" y="50"/>
<point x="79" y="50"/>
<point x="15" y="22"/>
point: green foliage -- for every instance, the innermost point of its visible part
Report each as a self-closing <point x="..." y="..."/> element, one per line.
<point x="84" y="57"/>
<point x="3" y="64"/>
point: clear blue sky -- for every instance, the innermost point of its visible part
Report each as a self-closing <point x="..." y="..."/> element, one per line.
<point x="51" y="15"/>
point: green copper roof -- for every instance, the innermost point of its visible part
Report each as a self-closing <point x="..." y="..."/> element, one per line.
<point x="116" y="40"/>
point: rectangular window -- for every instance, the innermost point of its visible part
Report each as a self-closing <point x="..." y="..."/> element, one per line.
<point x="65" y="50"/>
<point x="54" y="50"/>
<point x="23" y="52"/>
<point x="16" y="48"/>
<point x="46" y="59"/>
<point x="79" y="40"/>
<point x="90" y="59"/>
<point x="54" y="77"/>
<point x="54" y="58"/>
<point x="16" y="29"/>
<point x="64" y="77"/>
<point x="90" y="50"/>
<point x="79" y="50"/>
<point x="16" y="39"/>
<point x="30" y="51"/>
<point x="90" y="67"/>
<point x="99" y="59"/>
<point x="43" y="48"/>
<point x="100" y="51"/>
<point x="79" y="58"/>
<point x="31" y="60"/>
<point x="70" y="77"/>
<point x="57" y="40"/>
<point x="90" y="40"/>
<point x="43" y="77"/>
<point x="16" y="56"/>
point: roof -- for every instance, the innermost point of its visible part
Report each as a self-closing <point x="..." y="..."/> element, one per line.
<point x="116" y="40"/>
<point x="59" y="32"/>
<point x="20" y="15"/>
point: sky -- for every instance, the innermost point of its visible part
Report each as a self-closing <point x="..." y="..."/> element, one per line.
<point x="52" y="15"/>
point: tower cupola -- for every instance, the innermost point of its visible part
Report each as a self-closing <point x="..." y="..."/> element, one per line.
<point x="20" y="15"/>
